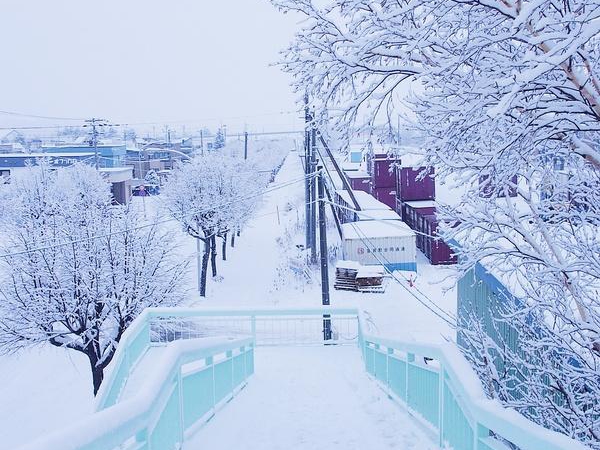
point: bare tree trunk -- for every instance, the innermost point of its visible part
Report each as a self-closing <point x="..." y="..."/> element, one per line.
<point x="233" y="239"/>
<point x="239" y="231"/>
<point x="224" y="247"/>
<point x="205" y="256"/>
<point x="213" y="255"/>
<point x="97" y="373"/>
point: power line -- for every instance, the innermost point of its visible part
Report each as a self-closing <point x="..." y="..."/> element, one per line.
<point x="155" y="223"/>
<point x="35" y="116"/>
<point x="450" y="316"/>
<point x="386" y="261"/>
<point x="132" y="124"/>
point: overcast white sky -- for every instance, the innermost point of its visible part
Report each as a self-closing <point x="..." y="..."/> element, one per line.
<point x="146" y="61"/>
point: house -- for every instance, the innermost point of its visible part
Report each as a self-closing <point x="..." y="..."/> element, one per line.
<point x="109" y="154"/>
<point x="120" y="179"/>
<point x="12" y="164"/>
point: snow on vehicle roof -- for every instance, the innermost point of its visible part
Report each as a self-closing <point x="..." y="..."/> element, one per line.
<point x="421" y="203"/>
<point x="376" y="229"/>
<point x="366" y="201"/>
<point x="378" y="214"/>
<point x="357" y="174"/>
<point x="350" y="166"/>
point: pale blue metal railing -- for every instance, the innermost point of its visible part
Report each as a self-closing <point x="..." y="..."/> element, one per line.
<point x="190" y="380"/>
<point x="267" y="326"/>
<point x="434" y="381"/>
<point x="437" y="384"/>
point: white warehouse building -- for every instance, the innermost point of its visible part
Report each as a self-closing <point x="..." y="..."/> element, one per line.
<point x="389" y="243"/>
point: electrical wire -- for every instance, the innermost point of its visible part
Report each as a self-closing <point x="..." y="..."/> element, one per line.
<point x="386" y="262"/>
<point x="392" y="224"/>
<point x="133" y="124"/>
<point x="35" y="116"/>
<point x="392" y="274"/>
<point x="154" y="223"/>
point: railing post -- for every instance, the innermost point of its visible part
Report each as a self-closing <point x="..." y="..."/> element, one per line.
<point x="410" y="358"/>
<point x="390" y="351"/>
<point x="179" y="388"/>
<point x="442" y="381"/>
<point x="210" y="362"/>
<point x="481" y="432"/>
<point x="253" y="327"/>
<point x="142" y="437"/>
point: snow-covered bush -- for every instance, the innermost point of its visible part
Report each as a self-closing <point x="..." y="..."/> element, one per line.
<point x="76" y="270"/>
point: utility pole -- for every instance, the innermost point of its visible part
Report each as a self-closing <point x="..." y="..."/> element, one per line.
<point x="94" y="122"/>
<point x="307" y="207"/>
<point x="324" y="256"/>
<point x="202" y="142"/>
<point x="313" y="193"/>
<point x="245" y="145"/>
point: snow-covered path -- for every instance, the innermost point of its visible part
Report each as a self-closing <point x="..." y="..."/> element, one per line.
<point x="311" y="398"/>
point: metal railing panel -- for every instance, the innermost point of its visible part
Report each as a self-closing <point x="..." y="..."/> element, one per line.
<point x="397" y="377"/>
<point x="423" y="392"/>
<point x="200" y="386"/>
<point x="155" y="417"/>
<point x="444" y="390"/>
<point x="223" y="380"/>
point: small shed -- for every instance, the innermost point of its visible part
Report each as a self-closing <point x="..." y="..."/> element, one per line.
<point x="390" y="243"/>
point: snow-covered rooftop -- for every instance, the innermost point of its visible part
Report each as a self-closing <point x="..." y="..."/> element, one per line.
<point x="422" y="203"/>
<point x="350" y="166"/>
<point x="378" y="214"/>
<point x="366" y="201"/>
<point x="375" y="229"/>
<point x="357" y="174"/>
<point x="46" y="155"/>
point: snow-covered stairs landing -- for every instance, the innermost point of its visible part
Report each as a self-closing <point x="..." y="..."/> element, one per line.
<point x="311" y="398"/>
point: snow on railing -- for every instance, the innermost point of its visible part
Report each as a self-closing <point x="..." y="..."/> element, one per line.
<point x="437" y="384"/>
<point x="434" y="381"/>
<point x="268" y="326"/>
<point x="188" y="383"/>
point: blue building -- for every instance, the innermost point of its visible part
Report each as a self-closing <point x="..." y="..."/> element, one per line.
<point x="11" y="163"/>
<point x="109" y="155"/>
<point x="119" y="177"/>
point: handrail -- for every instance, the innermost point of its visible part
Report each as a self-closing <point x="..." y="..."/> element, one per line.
<point x="136" y="339"/>
<point x="163" y="410"/>
<point x="452" y="400"/>
<point x="448" y="396"/>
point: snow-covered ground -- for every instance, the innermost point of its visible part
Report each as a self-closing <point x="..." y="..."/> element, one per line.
<point x="41" y="390"/>
<point x="309" y="398"/>
<point x="47" y="388"/>
<point x="257" y="272"/>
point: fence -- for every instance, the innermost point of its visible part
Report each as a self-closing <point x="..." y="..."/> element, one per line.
<point x="158" y="326"/>
<point x="437" y="384"/>
<point x="190" y="381"/>
<point x="195" y="376"/>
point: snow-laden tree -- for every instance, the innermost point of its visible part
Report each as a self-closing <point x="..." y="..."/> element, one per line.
<point x="507" y="98"/>
<point x="152" y="178"/>
<point x="210" y="196"/>
<point x="77" y="270"/>
<point x="219" y="139"/>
